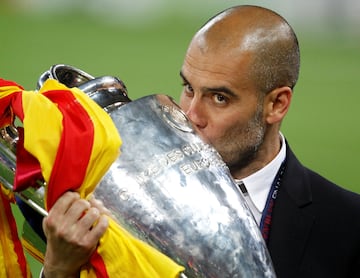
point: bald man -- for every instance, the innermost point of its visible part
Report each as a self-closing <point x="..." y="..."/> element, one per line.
<point x="238" y="78"/>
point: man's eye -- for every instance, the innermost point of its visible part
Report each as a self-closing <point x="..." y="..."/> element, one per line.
<point x="220" y="99"/>
<point x="188" y="88"/>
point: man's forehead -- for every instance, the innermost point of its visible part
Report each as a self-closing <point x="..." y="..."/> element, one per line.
<point x="214" y="72"/>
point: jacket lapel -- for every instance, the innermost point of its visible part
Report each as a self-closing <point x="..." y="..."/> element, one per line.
<point x="291" y="224"/>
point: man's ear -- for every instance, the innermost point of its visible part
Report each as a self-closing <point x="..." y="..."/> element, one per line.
<point x="277" y="103"/>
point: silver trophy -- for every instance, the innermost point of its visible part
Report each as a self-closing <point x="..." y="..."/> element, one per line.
<point x="168" y="187"/>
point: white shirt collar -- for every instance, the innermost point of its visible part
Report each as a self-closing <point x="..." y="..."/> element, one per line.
<point x="259" y="183"/>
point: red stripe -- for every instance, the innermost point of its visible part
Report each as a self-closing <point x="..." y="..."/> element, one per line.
<point x="17" y="105"/>
<point x="4" y="83"/>
<point x="28" y="169"/>
<point x="6" y="115"/>
<point x="13" y="99"/>
<point x="10" y="105"/>
<point x="18" y="249"/>
<point x="98" y="265"/>
<point x="75" y="146"/>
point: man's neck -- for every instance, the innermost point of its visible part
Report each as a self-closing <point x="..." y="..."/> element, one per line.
<point x="267" y="152"/>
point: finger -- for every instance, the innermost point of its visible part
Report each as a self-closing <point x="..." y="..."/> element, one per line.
<point x="88" y="220"/>
<point x="45" y="226"/>
<point x="57" y="212"/>
<point x="77" y="210"/>
<point x="100" y="206"/>
<point x="98" y="229"/>
<point x="89" y="229"/>
<point x="64" y="202"/>
<point x="63" y="219"/>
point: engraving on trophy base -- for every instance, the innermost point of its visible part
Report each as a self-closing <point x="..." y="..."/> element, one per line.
<point x="202" y="158"/>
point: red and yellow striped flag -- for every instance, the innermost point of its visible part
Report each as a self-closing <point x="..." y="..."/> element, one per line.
<point x="13" y="263"/>
<point x="68" y="141"/>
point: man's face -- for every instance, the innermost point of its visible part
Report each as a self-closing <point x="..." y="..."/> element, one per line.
<point x="223" y="105"/>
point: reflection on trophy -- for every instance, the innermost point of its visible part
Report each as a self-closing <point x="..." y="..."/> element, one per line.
<point x="167" y="188"/>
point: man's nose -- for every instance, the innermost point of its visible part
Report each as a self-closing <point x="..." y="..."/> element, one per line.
<point x="196" y="113"/>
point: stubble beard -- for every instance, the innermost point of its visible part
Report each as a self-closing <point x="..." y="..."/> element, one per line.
<point x="242" y="145"/>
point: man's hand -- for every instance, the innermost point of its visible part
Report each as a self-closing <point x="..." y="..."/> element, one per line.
<point x="73" y="228"/>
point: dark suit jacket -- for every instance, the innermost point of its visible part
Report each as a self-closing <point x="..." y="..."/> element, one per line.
<point x="315" y="230"/>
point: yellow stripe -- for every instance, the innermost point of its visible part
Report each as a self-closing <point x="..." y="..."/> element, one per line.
<point x="33" y="251"/>
<point x="9" y="266"/>
<point x="8" y="90"/>
<point x="138" y="259"/>
<point x="36" y="106"/>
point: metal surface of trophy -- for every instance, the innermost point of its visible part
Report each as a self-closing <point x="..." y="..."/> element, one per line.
<point x="173" y="191"/>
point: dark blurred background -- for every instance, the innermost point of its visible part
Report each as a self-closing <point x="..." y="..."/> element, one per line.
<point x="143" y="43"/>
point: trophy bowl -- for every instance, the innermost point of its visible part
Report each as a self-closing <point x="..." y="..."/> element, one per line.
<point x="173" y="191"/>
